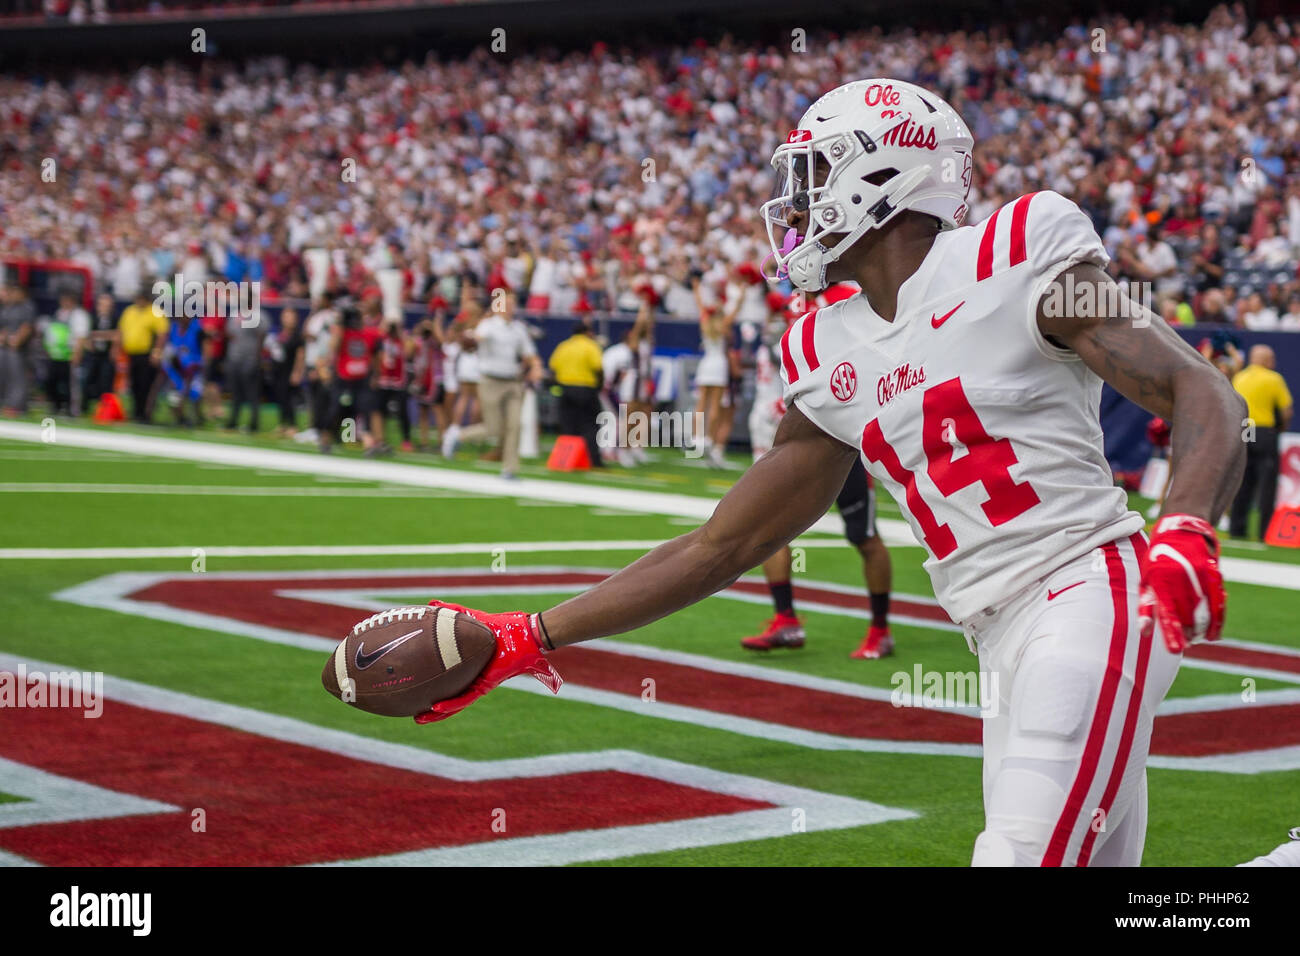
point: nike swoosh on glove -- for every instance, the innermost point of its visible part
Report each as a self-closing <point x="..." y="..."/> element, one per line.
<point x="1181" y="586"/>
<point x="518" y="652"/>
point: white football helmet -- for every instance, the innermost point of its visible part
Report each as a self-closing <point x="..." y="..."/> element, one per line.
<point x="860" y="130"/>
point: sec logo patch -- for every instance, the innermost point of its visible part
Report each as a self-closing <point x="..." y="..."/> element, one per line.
<point x="844" y="382"/>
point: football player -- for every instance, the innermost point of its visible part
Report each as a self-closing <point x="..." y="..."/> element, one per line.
<point x="966" y="376"/>
<point x="857" y="506"/>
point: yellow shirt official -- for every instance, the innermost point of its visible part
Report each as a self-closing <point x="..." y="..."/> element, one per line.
<point x="576" y="361"/>
<point x="1265" y="393"/>
<point x="139" y="325"/>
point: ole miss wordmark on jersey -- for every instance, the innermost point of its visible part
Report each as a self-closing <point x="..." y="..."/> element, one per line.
<point x="985" y="432"/>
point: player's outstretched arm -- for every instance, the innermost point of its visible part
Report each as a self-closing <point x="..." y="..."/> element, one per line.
<point x="1145" y="360"/>
<point x="780" y="496"/>
<point x="773" y="502"/>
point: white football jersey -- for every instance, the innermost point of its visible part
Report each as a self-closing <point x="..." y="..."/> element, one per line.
<point x="985" y="433"/>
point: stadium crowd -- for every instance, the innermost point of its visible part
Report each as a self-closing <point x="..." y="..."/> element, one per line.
<point x="574" y="180"/>
<point x="601" y="181"/>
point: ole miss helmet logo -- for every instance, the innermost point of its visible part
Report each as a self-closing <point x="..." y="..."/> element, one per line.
<point x="844" y="382"/>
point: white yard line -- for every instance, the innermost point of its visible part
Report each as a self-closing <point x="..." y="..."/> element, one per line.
<point x="426" y="476"/>
<point x="893" y="532"/>
<point x="233" y="491"/>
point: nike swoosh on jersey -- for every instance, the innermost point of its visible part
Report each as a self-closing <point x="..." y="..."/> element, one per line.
<point x="1055" y="594"/>
<point x="364" y="660"/>
<point x="938" y="320"/>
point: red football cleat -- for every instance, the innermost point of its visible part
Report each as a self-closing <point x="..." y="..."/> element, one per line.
<point x="784" y="630"/>
<point x="876" y="644"/>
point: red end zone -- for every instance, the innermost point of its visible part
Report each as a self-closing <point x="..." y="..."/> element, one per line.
<point x="269" y="802"/>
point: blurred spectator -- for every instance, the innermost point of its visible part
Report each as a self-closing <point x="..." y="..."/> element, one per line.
<point x="427" y="387"/>
<point x="143" y="330"/>
<point x="17" y="321"/>
<point x="98" y="352"/>
<point x="393" y="366"/>
<point x="69" y="326"/>
<point x="1207" y="260"/>
<point x="353" y="347"/>
<point x="461" y="351"/>
<point x="243" y="365"/>
<point x="182" y="367"/>
<point x="317" y="353"/>
<point x="1257" y="315"/>
<point x="507" y="359"/>
<point x="285" y="349"/>
<point x="578" y="370"/>
<point x="713" y="375"/>
<point x="1272" y="251"/>
<point x="1291" y="321"/>
<point x="1268" y="407"/>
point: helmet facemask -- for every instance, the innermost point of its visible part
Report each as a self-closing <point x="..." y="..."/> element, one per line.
<point x="828" y="178"/>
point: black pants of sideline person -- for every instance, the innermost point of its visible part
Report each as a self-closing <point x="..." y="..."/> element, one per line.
<point x="245" y="382"/>
<point x="1259" y="481"/>
<point x="579" y="406"/>
<point x="142" y="372"/>
<point x="98" y="370"/>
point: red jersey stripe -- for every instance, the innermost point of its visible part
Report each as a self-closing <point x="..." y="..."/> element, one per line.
<point x="1019" y="213"/>
<point x="787" y="360"/>
<point x="1130" y="716"/>
<point x="984" y="265"/>
<point x="809" y="352"/>
<point x="1101" y="717"/>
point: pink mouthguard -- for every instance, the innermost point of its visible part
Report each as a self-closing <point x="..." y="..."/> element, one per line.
<point x="792" y="239"/>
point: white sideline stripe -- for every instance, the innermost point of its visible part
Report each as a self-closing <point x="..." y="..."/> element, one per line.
<point x="610" y="844"/>
<point x="1211" y="702"/>
<point x="893" y="531"/>
<point x="13" y="859"/>
<point x="51" y="798"/>
<point x="823" y="811"/>
<point x="345" y="551"/>
<point x="106" y="592"/>
<point x="1251" y="761"/>
<point x="232" y="491"/>
<point x="1268" y="573"/>
<point x="637" y="500"/>
<point x="1242" y="670"/>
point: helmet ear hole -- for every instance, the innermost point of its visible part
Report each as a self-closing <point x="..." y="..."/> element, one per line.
<point x="880" y="176"/>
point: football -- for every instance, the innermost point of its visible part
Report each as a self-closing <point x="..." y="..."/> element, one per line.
<point x="400" y="662"/>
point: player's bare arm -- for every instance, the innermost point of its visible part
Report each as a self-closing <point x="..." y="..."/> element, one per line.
<point x="773" y="502"/>
<point x="1150" y="365"/>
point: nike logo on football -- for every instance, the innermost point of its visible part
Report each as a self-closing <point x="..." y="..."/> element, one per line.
<point x="1055" y="594"/>
<point x="364" y="660"/>
<point x="938" y="320"/>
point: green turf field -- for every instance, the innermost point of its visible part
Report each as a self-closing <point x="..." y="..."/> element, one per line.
<point x="60" y="496"/>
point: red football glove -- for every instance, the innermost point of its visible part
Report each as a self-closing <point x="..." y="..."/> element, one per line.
<point x="518" y="652"/>
<point x="1181" y="586"/>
